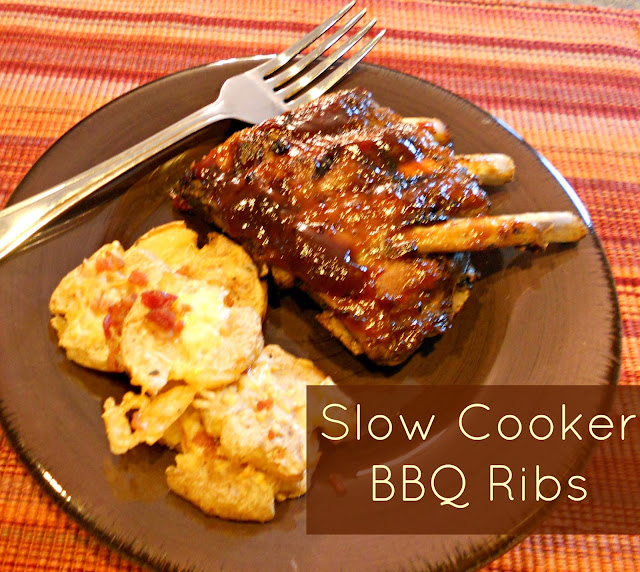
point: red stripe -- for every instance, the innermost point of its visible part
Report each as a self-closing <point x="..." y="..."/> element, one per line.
<point x="497" y="70"/>
<point x="71" y="43"/>
<point x="28" y="68"/>
<point x="516" y="102"/>
<point x="516" y="8"/>
<point x="600" y="50"/>
<point x="531" y="75"/>
<point x="281" y="25"/>
<point x="22" y="141"/>
<point x="155" y="17"/>
<point x="566" y="107"/>
<point x="620" y="187"/>
<point x="531" y="103"/>
<point x="633" y="281"/>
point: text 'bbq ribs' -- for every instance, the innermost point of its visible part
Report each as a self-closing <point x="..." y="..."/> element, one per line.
<point x="316" y="194"/>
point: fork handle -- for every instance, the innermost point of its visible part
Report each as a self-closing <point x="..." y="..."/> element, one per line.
<point x="20" y="221"/>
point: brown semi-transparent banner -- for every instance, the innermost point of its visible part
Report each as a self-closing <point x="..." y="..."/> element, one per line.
<point x="474" y="460"/>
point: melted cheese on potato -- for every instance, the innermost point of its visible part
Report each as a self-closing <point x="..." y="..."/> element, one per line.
<point x="173" y="243"/>
<point x="220" y="262"/>
<point x="261" y="420"/>
<point x="91" y="302"/>
<point x="86" y="295"/>
<point x="209" y="346"/>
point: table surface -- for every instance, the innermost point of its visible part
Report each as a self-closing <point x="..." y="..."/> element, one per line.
<point x="567" y="77"/>
<point x="628" y="4"/>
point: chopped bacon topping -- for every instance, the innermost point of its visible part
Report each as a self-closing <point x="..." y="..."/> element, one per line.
<point x="265" y="404"/>
<point x="271" y="435"/>
<point x="337" y="483"/>
<point x="138" y="278"/>
<point x="162" y="312"/>
<point x="136" y="422"/>
<point x="165" y="318"/>
<point x="97" y="303"/>
<point x="157" y="299"/>
<point x="116" y="314"/>
<point x="205" y="441"/>
<point x="109" y="261"/>
<point x="113" y="363"/>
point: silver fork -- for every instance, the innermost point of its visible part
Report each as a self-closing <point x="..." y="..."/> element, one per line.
<point x="253" y="97"/>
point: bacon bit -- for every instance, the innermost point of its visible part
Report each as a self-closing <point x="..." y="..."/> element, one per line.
<point x="113" y="363"/>
<point x="138" y="278"/>
<point x="205" y="441"/>
<point x="265" y="404"/>
<point x="165" y="318"/>
<point x="228" y="301"/>
<point x="116" y="314"/>
<point x="107" y="324"/>
<point x="156" y="299"/>
<point x="136" y="422"/>
<point x="271" y="435"/>
<point x="96" y="303"/>
<point x="184" y="270"/>
<point x="109" y="261"/>
<point x="335" y="480"/>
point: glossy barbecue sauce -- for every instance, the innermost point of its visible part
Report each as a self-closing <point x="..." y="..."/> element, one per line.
<point x="318" y="192"/>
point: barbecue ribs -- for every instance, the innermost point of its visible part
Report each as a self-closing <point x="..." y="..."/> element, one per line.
<point x="315" y="194"/>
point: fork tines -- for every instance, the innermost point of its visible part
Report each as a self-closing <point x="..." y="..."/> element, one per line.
<point x="301" y="71"/>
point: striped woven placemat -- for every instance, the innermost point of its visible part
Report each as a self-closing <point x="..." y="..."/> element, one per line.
<point x="566" y="77"/>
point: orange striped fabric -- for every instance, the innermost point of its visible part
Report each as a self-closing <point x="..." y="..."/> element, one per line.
<point x="566" y="77"/>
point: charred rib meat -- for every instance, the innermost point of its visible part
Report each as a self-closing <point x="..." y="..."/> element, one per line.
<point x="316" y="193"/>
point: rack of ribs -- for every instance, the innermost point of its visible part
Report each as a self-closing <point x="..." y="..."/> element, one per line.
<point x="319" y="195"/>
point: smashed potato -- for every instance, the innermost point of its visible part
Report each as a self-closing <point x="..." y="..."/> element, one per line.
<point x="221" y="262"/>
<point x="173" y="243"/>
<point x="186" y="324"/>
<point x="90" y="302"/>
<point x="224" y="263"/>
<point x="261" y="420"/>
<point x="186" y="331"/>
<point x="151" y="419"/>
<point x="215" y="484"/>
<point x="223" y="486"/>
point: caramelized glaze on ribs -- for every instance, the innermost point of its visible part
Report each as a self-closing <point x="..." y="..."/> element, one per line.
<point x="315" y="194"/>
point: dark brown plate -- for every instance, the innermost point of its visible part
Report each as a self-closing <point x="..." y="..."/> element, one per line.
<point x="534" y="319"/>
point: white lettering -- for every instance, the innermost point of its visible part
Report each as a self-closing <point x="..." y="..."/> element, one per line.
<point x="416" y="481"/>
<point x="386" y="481"/>
<point x="449" y="500"/>
<point x="504" y="484"/>
<point x="423" y="433"/>
<point x="331" y="420"/>
<point x="462" y="429"/>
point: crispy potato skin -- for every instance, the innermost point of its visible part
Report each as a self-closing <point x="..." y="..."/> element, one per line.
<point x="152" y="418"/>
